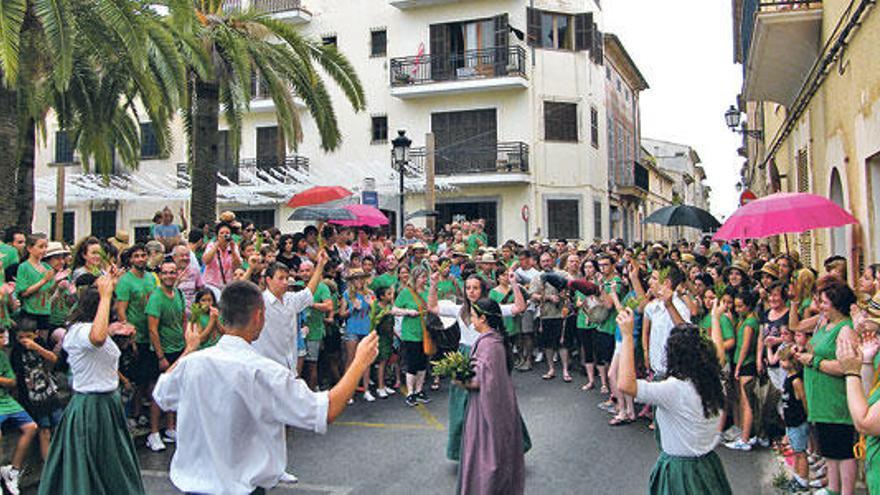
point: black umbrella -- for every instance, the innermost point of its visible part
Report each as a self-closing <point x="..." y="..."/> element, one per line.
<point x="309" y="214"/>
<point x="684" y="215"/>
<point x="422" y="213"/>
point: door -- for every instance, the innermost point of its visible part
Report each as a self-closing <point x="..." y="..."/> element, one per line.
<point x="465" y="141"/>
<point x="487" y="210"/>
<point x="873" y="165"/>
<point x="267" y="148"/>
<point x="838" y="235"/>
<point x="103" y="223"/>
<point x="225" y="161"/>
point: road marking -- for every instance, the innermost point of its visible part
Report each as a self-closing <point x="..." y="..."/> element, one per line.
<point x="423" y="411"/>
<point x="330" y="489"/>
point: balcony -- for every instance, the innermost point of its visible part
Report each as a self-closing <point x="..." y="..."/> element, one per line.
<point x="414" y="4"/>
<point x="284" y="10"/>
<point x="503" y="163"/>
<point x="488" y="69"/>
<point x="633" y="182"/>
<point x="251" y="171"/>
<point x="783" y="48"/>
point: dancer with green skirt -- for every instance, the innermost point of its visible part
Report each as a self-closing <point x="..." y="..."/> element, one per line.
<point x="92" y="451"/>
<point x="689" y="403"/>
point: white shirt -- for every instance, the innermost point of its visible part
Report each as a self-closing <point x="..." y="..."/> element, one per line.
<point x="661" y="327"/>
<point x="277" y="341"/>
<point x="232" y="406"/>
<point x="684" y="429"/>
<point x="94" y="369"/>
<point x="449" y="309"/>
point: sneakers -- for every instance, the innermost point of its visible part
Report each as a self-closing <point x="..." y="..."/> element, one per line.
<point x="794" y="487"/>
<point x="818" y="483"/>
<point x="369" y="397"/>
<point x="819" y="472"/>
<point x="350" y="401"/>
<point x="540" y="357"/>
<point x="738" y="444"/>
<point x="288" y="478"/>
<point x="381" y="393"/>
<point x="170" y="436"/>
<point x="143" y="421"/>
<point x="10" y="477"/>
<point x="131" y="423"/>
<point x="422" y="397"/>
<point x="607" y="406"/>
<point x="763" y="442"/>
<point x="390" y="391"/>
<point x="154" y="442"/>
<point x="731" y="434"/>
<point x="411" y="400"/>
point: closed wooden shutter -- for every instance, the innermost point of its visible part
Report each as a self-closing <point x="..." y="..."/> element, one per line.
<point x="267" y="147"/>
<point x="502" y="40"/>
<point x="441" y="68"/>
<point x="533" y="26"/>
<point x="583" y="32"/>
<point x="805" y="240"/>
<point x="597" y="51"/>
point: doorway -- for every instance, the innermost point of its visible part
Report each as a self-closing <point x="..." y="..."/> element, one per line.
<point x="838" y="235"/>
<point x="487" y="210"/>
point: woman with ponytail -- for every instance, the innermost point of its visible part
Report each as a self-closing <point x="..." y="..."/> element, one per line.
<point x="492" y="458"/>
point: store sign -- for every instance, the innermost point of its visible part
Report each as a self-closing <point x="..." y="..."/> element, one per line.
<point x="370" y="198"/>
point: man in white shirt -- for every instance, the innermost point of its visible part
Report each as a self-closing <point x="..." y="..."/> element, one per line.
<point x="662" y="314"/>
<point x="233" y="404"/>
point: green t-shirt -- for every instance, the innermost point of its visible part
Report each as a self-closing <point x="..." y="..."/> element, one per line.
<point x="315" y="319"/>
<point x="60" y="305"/>
<point x="38" y="302"/>
<point x="752" y="322"/>
<point x="411" y="329"/>
<point x="582" y="321"/>
<point x="610" y="324"/>
<point x="804" y="305"/>
<point x="446" y="289"/>
<point x="5" y="317"/>
<point x="136" y="291"/>
<point x="212" y="339"/>
<point x="8" y="405"/>
<point x="727" y="331"/>
<point x="387" y="279"/>
<point x="511" y="323"/>
<point x="475" y="241"/>
<point x="169" y="311"/>
<point x="872" y="451"/>
<point x="8" y="254"/>
<point x="826" y="394"/>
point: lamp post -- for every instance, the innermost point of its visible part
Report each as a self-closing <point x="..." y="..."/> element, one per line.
<point x="732" y="118"/>
<point x="400" y="153"/>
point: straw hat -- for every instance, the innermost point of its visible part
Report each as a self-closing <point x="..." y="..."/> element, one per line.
<point x="460" y="250"/>
<point x="418" y="245"/>
<point x="399" y="253"/>
<point x="356" y="273"/>
<point x="55" y="249"/>
<point x="583" y="247"/>
<point x="227" y="216"/>
<point x="740" y="265"/>
<point x="120" y="240"/>
<point x="770" y="268"/>
<point x="871" y="306"/>
<point x="487" y="258"/>
<point x="688" y="258"/>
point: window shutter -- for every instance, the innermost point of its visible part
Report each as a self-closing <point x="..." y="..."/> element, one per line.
<point x="502" y="40"/>
<point x="533" y="25"/>
<point x="440" y="67"/>
<point x="583" y="31"/>
<point x="597" y="51"/>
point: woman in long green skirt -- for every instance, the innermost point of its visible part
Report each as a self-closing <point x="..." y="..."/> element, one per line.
<point x="474" y="289"/>
<point x="689" y="402"/>
<point x="92" y="452"/>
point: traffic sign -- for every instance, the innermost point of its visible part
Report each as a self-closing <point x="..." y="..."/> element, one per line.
<point x="747" y="197"/>
<point x="525" y="213"/>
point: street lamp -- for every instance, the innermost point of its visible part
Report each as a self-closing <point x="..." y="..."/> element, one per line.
<point x="732" y="118"/>
<point x="400" y="153"/>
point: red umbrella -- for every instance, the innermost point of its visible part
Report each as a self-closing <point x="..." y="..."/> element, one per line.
<point x="367" y="216"/>
<point x="318" y="195"/>
<point x="783" y="213"/>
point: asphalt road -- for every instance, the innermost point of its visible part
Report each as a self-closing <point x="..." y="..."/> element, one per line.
<point x="386" y="447"/>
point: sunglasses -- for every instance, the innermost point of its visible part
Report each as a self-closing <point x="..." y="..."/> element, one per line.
<point x="169" y="273"/>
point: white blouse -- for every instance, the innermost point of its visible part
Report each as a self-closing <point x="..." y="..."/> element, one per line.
<point x="94" y="369"/>
<point x="684" y="430"/>
<point x="449" y="309"/>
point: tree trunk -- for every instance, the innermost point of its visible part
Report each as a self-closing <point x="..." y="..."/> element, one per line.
<point x="205" y="153"/>
<point x="8" y="155"/>
<point x="25" y="176"/>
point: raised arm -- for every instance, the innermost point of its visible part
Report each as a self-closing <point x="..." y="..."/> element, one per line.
<point x="626" y="371"/>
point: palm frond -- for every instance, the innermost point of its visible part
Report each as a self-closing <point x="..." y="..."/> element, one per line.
<point x="59" y="24"/>
<point x="12" y="14"/>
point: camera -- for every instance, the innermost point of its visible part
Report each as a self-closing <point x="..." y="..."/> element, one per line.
<point x="227" y="237"/>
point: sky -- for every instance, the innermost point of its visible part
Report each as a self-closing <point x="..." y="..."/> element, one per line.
<point x="684" y="49"/>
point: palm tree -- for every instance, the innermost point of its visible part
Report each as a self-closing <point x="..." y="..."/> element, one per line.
<point x="243" y="44"/>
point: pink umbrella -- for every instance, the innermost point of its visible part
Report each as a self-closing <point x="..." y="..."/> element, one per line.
<point x="367" y="216"/>
<point x="783" y="213"/>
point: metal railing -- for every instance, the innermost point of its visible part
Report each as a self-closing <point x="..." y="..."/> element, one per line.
<point x="504" y="157"/>
<point x="784" y="5"/>
<point x="268" y="6"/>
<point x="470" y="64"/>
<point x="637" y="177"/>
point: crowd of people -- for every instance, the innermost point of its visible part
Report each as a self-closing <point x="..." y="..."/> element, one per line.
<point x="707" y="342"/>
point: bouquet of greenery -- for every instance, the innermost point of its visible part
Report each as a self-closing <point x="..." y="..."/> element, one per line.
<point x="663" y="274"/>
<point x="633" y="303"/>
<point x="719" y="289"/>
<point x="196" y="313"/>
<point x="454" y="365"/>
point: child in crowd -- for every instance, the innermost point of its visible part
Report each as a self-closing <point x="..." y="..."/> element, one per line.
<point x="794" y="413"/>
<point x="12" y="415"/>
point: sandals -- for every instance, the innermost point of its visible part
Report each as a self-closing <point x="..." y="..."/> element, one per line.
<point x="588" y="386"/>
<point x="566" y="378"/>
<point x="618" y="421"/>
<point x="603" y="390"/>
<point x="435" y="386"/>
<point x="549" y="376"/>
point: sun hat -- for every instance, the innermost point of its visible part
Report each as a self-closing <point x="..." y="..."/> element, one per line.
<point x="55" y="249"/>
<point x="771" y="269"/>
<point x="356" y="273"/>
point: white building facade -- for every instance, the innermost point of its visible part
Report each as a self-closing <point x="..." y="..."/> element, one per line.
<point x="513" y="92"/>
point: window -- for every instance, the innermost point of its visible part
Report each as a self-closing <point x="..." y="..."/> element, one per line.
<point x="563" y="220"/>
<point x="618" y="85"/>
<point x="329" y="40"/>
<point x="556" y="31"/>
<point x="378" y="43"/>
<point x="597" y="219"/>
<point x="575" y="32"/>
<point x="63" y="148"/>
<point x="67" y="231"/>
<point x="103" y="223"/>
<point x="263" y="219"/>
<point x="380" y="129"/>
<point x="626" y="92"/>
<point x="560" y="121"/>
<point x="149" y="144"/>
<point x="142" y="234"/>
<point x="608" y="73"/>
<point x="594" y="127"/>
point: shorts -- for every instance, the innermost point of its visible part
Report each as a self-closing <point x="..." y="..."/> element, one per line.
<point x="351" y="337"/>
<point x="528" y="321"/>
<point x="313" y="350"/>
<point x="50" y="420"/>
<point x="414" y="358"/>
<point x="16" y="419"/>
<point x="835" y="441"/>
<point x="587" y="341"/>
<point x="748" y="369"/>
<point x="551" y="331"/>
<point x="604" y="348"/>
<point x="146" y="366"/>
<point x="797" y="436"/>
<point x="569" y="330"/>
<point x="301" y="352"/>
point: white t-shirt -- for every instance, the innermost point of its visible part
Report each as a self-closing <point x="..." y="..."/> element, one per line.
<point x="661" y="327"/>
<point x="449" y="309"/>
<point x="94" y="369"/>
<point x="684" y="429"/>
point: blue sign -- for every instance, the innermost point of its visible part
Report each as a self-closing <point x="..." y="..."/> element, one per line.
<point x="370" y="198"/>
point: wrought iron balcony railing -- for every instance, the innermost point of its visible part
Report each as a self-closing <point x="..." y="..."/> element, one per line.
<point x="268" y="6"/>
<point x="503" y="157"/>
<point x="637" y="176"/>
<point x="784" y="5"/>
<point x="468" y="65"/>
